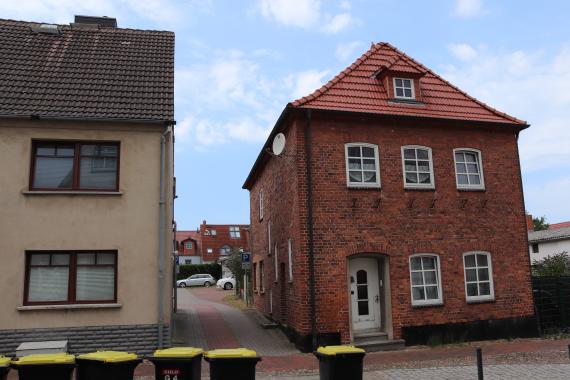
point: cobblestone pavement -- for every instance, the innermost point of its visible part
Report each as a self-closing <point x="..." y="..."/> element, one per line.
<point x="204" y="320"/>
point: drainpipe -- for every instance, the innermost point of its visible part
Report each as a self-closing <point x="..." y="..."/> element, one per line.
<point x="313" y="310"/>
<point x="162" y="235"/>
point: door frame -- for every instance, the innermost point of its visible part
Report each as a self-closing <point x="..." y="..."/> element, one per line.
<point x="383" y="263"/>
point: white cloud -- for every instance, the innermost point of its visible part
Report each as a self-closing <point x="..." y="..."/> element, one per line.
<point x="307" y="14"/>
<point x="206" y="132"/>
<point x="338" y="23"/>
<point x="300" y="13"/>
<point x="467" y="8"/>
<point x="306" y="82"/>
<point x="348" y="51"/>
<point x="533" y="86"/>
<point x="463" y="51"/>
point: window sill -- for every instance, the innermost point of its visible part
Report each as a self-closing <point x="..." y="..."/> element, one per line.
<point x="356" y="187"/>
<point x="430" y="304"/>
<point x="463" y="189"/>
<point x="71" y="192"/>
<point x="411" y="188"/>
<point x="410" y="101"/>
<point x="71" y="306"/>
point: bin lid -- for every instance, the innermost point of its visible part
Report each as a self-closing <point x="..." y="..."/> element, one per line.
<point x="230" y="353"/>
<point x="4" y="361"/>
<point x="334" y="350"/>
<point x="36" y="359"/>
<point x="109" y="356"/>
<point x="178" y="352"/>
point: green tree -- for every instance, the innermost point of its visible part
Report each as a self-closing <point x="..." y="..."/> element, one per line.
<point x="552" y="266"/>
<point x="233" y="262"/>
<point x="540" y="223"/>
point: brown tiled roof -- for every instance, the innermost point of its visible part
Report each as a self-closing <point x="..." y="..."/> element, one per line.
<point x="357" y="89"/>
<point x="86" y="73"/>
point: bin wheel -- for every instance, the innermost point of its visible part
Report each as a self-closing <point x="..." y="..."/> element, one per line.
<point x="228" y="285"/>
<point x="182" y="285"/>
<point x="207" y="284"/>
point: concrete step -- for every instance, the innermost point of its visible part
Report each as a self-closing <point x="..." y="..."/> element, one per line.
<point x="381" y="344"/>
<point x="368" y="336"/>
<point x="262" y="320"/>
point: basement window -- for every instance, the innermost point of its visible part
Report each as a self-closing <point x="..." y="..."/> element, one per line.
<point x="404" y="88"/>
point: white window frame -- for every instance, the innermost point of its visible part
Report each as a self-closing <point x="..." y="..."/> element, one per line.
<point x="269" y="237"/>
<point x="431" y="168"/>
<point x="290" y="257"/>
<point x="276" y="261"/>
<point x="412" y="84"/>
<point x="481" y="186"/>
<point x="491" y="296"/>
<point x="210" y="250"/>
<point x="438" y="301"/>
<point x="188" y="245"/>
<point x="261" y="204"/>
<point x="375" y="184"/>
<point x="235" y="232"/>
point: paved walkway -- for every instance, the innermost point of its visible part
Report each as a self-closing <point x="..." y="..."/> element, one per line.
<point x="204" y="320"/>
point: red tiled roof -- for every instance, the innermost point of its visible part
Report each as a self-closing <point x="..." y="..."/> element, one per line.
<point x="86" y="73"/>
<point x="357" y="89"/>
<point x="559" y="225"/>
<point x="183" y="235"/>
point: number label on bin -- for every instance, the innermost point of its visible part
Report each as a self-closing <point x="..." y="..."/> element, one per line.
<point x="170" y="374"/>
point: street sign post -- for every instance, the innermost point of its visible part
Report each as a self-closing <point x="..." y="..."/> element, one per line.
<point x="246" y="260"/>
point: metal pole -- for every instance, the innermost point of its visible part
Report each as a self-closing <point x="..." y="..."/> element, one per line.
<point x="479" y="364"/>
<point x="569" y="351"/>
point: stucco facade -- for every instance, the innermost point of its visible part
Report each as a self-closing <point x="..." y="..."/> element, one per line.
<point x="125" y="221"/>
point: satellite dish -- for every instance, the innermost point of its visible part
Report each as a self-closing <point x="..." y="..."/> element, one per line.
<point x="278" y="144"/>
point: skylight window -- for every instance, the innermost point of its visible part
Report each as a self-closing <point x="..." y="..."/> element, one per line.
<point x="404" y="88"/>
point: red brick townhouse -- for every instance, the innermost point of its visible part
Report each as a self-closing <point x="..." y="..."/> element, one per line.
<point x="210" y="242"/>
<point x="392" y="212"/>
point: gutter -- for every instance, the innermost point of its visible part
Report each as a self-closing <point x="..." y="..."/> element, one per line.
<point x="162" y="234"/>
<point x="313" y="310"/>
<point x="95" y="119"/>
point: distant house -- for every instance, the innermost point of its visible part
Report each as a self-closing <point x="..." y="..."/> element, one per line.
<point x="549" y="242"/>
<point x="210" y="242"/>
<point x="387" y="206"/>
<point x="86" y="145"/>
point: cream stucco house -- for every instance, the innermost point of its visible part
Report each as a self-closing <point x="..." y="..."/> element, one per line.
<point x="86" y="189"/>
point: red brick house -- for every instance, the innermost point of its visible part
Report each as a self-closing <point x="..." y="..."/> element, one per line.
<point x="210" y="242"/>
<point x="394" y="213"/>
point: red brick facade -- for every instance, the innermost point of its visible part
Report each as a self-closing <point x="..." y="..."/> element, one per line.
<point x="216" y="237"/>
<point x="391" y="223"/>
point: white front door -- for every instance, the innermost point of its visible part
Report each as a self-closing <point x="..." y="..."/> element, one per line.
<point x="364" y="294"/>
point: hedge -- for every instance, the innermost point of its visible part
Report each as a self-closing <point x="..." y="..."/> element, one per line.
<point x="188" y="270"/>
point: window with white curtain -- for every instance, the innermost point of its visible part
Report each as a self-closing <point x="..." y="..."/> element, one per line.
<point x="478" y="276"/>
<point x="425" y="279"/>
<point x="70" y="277"/>
<point x="417" y="167"/>
<point x="362" y="165"/>
<point x="468" y="169"/>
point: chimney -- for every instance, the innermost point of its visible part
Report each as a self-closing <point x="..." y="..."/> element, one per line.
<point x="204" y="222"/>
<point x="529" y="223"/>
<point x="108" y="22"/>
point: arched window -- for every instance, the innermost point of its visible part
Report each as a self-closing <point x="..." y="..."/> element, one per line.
<point x="425" y="278"/>
<point x="478" y="276"/>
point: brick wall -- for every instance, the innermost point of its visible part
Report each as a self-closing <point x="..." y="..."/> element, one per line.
<point x="220" y="239"/>
<point x="393" y="222"/>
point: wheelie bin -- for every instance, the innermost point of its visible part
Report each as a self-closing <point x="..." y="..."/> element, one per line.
<point x="45" y="366"/>
<point x="340" y="362"/>
<point x="232" y="364"/>
<point x="4" y="367"/>
<point x="180" y="363"/>
<point x="107" y="365"/>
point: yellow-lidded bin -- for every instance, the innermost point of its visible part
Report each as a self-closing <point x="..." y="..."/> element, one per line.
<point x="4" y="367"/>
<point x="181" y="363"/>
<point x="340" y="362"/>
<point x="107" y="365"/>
<point x="45" y="366"/>
<point x="234" y="364"/>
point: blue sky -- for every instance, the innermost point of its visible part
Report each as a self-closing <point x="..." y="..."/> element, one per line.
<point x="239" y="62"/>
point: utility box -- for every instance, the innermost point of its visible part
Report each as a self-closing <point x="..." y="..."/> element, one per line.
<point x="48" y="347"/>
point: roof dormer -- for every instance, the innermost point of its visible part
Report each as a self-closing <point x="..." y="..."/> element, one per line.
<point x="401" y="81"/>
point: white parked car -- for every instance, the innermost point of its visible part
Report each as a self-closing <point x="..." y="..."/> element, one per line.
<point x="226" y="283"/>
<point x="196" y="280"/>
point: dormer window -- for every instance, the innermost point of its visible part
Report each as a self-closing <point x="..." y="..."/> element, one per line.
<point x="404" y="88"/>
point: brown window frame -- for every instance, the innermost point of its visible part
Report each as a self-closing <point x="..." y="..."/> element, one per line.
<point x="76" y="164"/>
<point x="72" y="279"/>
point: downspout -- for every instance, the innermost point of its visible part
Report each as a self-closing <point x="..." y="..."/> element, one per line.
<point x="162" y="235"/>
<point x="313" y="311"/>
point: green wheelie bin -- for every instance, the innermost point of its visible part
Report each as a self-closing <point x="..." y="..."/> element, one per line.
<point x="4" y="367"/>
<point x="107" y="365"/>
<point x="45" y="366"/>
<point x="177" y="363"/>
<point x="340" y="362"/>
<point x="232" y="364"/>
